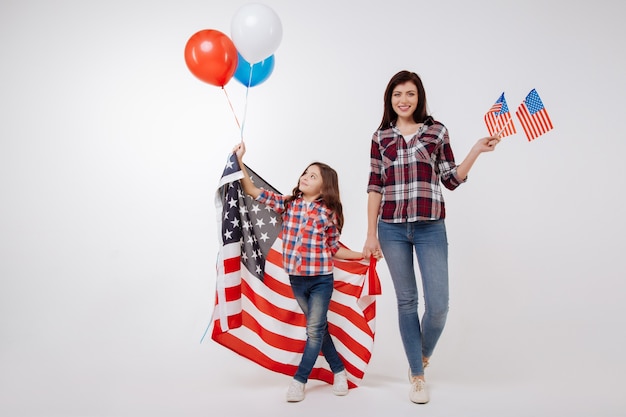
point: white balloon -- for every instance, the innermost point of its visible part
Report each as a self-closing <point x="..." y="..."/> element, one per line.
<point x="256" y="31"/>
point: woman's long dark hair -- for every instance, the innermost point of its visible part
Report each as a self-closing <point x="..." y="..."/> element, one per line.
<point x="330" y="191"/>
<point x="420" y="115"/>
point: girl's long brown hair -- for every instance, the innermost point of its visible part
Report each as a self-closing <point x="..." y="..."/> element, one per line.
<point x="330" y="191"/>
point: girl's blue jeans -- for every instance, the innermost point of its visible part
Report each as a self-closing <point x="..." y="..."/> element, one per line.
<point x="428" y="239"/>
<point x="313" y="295"/>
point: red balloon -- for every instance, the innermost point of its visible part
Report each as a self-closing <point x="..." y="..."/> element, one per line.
<point x="211" y="56"/>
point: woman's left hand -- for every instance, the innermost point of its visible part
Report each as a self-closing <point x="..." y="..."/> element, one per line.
<point x="487" y="144"/>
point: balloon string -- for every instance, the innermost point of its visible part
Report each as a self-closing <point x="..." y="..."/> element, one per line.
<point x="245" y="109"/>
<point x="233" y="110"/>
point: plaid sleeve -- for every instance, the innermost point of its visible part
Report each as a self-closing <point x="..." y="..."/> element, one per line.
<point x="332" y="235"/>
<point x="446" y="163"/>
<point x="273" y="200"/>
<point x="376" y="167"/>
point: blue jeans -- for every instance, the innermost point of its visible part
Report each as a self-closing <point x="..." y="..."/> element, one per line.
<point x="313" y="295"/>
<point x="430" y="242"/>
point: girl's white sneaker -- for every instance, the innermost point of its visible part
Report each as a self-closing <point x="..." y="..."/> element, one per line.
<point x="295" y="392"/>
<point x="340" y="384"/>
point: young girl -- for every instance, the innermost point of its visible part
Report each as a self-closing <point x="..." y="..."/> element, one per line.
<point x="312" y="222"/>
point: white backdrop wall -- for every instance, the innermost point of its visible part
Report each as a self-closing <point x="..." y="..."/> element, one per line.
<point x="110" y="152"/>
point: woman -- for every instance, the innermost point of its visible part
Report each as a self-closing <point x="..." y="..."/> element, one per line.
<point x="410" y="158"/>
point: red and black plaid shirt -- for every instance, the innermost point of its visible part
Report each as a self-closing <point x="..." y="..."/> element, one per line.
<point x="409" y="174"/>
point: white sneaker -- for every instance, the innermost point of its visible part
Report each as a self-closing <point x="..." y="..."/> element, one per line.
<point x="340" y="384"/>
<point x="295" y="392"/>
<point x="418" y="393"/>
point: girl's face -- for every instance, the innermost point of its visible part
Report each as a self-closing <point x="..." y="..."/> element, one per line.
<point x="311" y="182"/>
<point x="404" y="100"/>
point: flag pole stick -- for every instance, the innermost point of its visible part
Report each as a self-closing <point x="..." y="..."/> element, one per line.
<point x="504" y="127"/>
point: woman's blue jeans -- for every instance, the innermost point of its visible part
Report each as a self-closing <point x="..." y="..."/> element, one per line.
<point x="429" y="241"/>
<point x="313" y="295"/>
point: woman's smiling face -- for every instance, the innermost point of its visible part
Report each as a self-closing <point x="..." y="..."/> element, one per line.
<point x="404" y="99"/>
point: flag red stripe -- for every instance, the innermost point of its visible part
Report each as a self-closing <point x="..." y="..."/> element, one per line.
<point x="355" y="347"/>
<point x="298" y="319"/>
<point x="351" y="315"/>
<point x="251" y="352"/>
<point x="490" y="121"/>
<point x="495" y="124"/>
<point x="526" y="120"/>
<point x="522" y="114"/>
<point x="352" y="370"/>
<point x="271" y="338"/>
<point x="536" y="124"/>
<point x="231" y="265"/>
<point x="347" y="288"/>
<point x="370" y="312"/>
<point x="540" y="121"/>
<point x="277" y="286"/>
<point x="531" y="125"/>
<point x="373" y="283"/>
<point x="228" y="339"/>
<point x="274" y="257"/>
<point x="267" y="307"/>
<point x="356" y="268"/>
<point x="234" y="321"/>
<point x="232" y="293"/>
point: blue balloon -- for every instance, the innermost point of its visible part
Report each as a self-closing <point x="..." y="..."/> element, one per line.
<point x="261" y="71"/>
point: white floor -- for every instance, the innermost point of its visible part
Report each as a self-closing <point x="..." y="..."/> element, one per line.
<point x="384" y="391"/>
<point x="209" y="380"/>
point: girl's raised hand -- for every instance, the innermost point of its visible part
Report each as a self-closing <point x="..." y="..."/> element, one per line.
<point x="239" y="150"/>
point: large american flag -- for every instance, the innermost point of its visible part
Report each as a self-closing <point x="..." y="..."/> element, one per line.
<point x="498" y="119"/>
<point x="533" y="116"/>
<point x="256" y="314"/>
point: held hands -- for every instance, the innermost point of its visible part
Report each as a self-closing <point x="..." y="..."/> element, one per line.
<point x="372" y="248"/>
<point x="345" y="253"/>
<point x="377" y="254"/>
